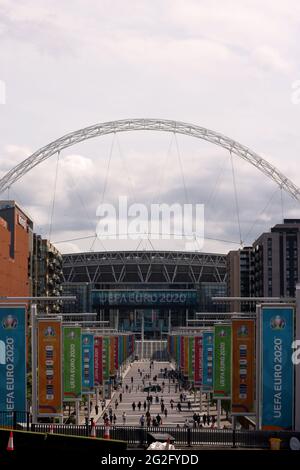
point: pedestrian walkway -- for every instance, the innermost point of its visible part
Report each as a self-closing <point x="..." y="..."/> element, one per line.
<point x="140" y="375"/>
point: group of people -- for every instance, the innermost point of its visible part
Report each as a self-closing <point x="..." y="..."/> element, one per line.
<point x="203" y="420"/>
<point x="145" y="405"/>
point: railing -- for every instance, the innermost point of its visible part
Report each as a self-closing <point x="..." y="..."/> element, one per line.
<point x="138" y="436"/>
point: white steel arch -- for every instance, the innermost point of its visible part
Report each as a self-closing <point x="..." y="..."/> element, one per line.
<point x="162" y="125"/>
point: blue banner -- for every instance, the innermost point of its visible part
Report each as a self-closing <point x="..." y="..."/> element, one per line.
<point x="87" y="361"/>
<point x="12" y="359"/>
<point x="144" y="298"/>
<point x="208" y="360"/>
<point x="277" y="371"/>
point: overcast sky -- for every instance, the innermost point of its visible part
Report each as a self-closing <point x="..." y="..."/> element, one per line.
<point x="231" y="66"/>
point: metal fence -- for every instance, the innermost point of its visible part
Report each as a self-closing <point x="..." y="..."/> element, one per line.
<point x="139" y="436"/>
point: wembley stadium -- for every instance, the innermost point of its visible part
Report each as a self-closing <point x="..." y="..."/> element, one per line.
<point x="162" y="289"/>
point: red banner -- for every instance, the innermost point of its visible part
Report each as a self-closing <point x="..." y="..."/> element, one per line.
<point x="181" y="353"/>
<point x="98" y="368"/>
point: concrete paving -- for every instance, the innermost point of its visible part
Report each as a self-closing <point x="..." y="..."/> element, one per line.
<point x="132" y="391"/>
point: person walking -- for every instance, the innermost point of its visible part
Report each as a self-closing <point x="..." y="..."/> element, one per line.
<point x="120" y="397"/>
<point x="172" y="403"/>
<point x="96" y="409"/>
<point x="124" y="418"/>
<point x="145" y="405"/>
<point x="103" y="405"/>
<point x="142" y="421"/>
<point x="162" y="407"/>
<point x="189" y="405"/>
<point x="208" y="420"/>
<point x="133" y="406"/>
<point x="166" y="413"/>
<point x="204" y="419"/>
<point x="139" y="405"/>
<point x="115" y="419"/>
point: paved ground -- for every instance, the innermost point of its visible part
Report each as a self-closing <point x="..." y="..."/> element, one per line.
<point x="135" y="394"/>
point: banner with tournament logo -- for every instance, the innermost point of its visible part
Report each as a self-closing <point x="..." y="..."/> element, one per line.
<point x="49" y="368"/>
<point x="198" y="361"/>
<point x="12" y="359"/>
<point x="277" y="370"/>
<point x="87" y="362"/>
<point x="243" y="363"/>
<point x="106" y="357"/>
<point x="208" y="361"/>
<point x="72" y="362"/>
<point x="98" y="360"/>
<point x="222" y="362"/>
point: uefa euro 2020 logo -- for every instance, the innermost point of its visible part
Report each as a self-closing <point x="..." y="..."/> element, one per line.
<point x="49" y="331"/>
<point x="10" y="322"/>
<point x="277" y="323"/>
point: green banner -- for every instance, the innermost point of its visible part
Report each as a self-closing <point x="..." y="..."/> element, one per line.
<point x="222" y="362"/>
<point x="72" y="362"/>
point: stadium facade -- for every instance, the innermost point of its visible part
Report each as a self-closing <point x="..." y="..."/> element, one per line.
<point x="161" y="289"/>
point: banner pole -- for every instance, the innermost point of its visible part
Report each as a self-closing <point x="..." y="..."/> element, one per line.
<point x="34" y="361"/>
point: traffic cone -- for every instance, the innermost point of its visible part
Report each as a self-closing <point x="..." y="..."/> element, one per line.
<point x="10" y="444"/>
<point x="106" y="432"/>
<point x="93" y="429"/>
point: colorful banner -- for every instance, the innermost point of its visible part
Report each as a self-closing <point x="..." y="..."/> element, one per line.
<point x="186" y="356"/>
<point x="198" y="361"/>
<point x="98" y="360"/>
<point x="243" y="383"/>
<point x="12" y="359"/>
<point x="208" y="361"/>
<point x="106" y="357"/>
<point x="191" y="359"/>
<point x="87" y="362"/>
<point x="277" y="370"/>
<point x="181" y="339"/>
<point x="222" y="361"/>
<point x="72" y="362"/>
<point x="49" y="368"/>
